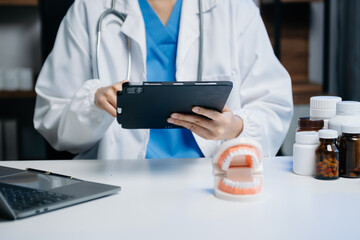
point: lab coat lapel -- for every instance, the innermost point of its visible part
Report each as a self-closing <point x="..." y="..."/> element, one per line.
<point x="189" y="32"/>
<point x="134" y="26"/>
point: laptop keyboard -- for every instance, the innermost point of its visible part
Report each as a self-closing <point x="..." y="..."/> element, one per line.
<point x="21" y="198"/>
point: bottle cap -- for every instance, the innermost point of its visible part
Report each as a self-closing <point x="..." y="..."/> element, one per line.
<point x="350" y="128"/>
<point x="328" y="134"/>
<point x="323" y="106"/>
<point x="310" y="125"/>
<point x="310" y="137"/>
<point x="348" y="108"/>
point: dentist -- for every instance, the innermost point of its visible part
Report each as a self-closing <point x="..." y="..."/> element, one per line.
<point x="76" y="112"/>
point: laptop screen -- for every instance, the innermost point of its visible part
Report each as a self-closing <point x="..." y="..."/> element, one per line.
<point x="38" y="181"/>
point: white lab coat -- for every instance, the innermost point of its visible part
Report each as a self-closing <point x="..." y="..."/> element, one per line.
<point x="236" y="48"/>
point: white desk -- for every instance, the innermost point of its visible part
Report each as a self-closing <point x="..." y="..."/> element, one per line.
<point x="173" y="199"/>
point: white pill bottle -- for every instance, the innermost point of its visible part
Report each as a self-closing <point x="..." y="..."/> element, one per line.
<point x="347" y="112"/>
<point x="323" y="107"/>
<point x="304" y="152"/>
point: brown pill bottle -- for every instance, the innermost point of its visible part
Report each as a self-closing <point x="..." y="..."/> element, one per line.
<point x="349" y="149"/>
<point x="305" y="124"/>
<point x="327" y="156"/>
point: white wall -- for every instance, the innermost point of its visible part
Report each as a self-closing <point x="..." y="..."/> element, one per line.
<point x="299" y="111"/>
<point x="20" y="38"/>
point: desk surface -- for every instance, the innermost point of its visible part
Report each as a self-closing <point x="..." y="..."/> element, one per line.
<point x="173" y="199"/>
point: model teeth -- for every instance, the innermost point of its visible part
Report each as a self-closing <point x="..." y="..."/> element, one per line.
<point x="240" y="152"/>
<point x="242" y="185"/>
<point x="238" y="170"/>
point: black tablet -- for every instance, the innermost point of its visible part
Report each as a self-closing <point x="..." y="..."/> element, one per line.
<point x="150" y="104"/>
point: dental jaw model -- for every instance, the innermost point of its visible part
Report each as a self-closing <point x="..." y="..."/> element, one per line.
<point x="238" y="170"/>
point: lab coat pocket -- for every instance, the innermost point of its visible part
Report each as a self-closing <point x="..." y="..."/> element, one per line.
<point x="233" y="101"/>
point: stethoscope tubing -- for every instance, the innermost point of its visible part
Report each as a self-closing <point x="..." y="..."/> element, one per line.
<point x="99" y="29"/>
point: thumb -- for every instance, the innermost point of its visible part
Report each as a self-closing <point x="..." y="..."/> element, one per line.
<point x="226" y="109"/>
<point x="118" y="86"/>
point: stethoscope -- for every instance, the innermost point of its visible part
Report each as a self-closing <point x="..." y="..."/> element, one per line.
<point x="122" y="17"/>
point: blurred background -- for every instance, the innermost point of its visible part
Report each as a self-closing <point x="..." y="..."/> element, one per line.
<point x="318" y="42"/>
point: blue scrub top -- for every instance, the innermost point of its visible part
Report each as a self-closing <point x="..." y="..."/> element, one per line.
<point x="161" y="46"/>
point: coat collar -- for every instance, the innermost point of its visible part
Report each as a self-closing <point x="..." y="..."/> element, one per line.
<point x="207" y="5"/>
<point x="133" y="26"/>
<point x="189" y="32"/>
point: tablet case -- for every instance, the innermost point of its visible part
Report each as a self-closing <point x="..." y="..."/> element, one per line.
<point x="150" y="104"/>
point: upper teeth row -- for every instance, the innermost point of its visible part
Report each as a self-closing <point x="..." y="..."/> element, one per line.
<point x="255" y="183"/>
<point x="227" y="161"/>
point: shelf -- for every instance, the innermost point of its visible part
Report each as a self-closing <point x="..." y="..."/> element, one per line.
<point x="17" y="94"/>
<point x="19" y="2"/>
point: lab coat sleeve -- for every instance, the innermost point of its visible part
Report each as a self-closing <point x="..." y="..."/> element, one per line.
<point x="265" y="90"/>
<point x="65" y="112"/>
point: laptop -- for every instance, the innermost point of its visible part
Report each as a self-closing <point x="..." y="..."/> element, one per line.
<point x="29" y="192"/>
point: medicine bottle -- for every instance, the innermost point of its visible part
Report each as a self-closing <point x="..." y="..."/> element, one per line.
<point x="349" y="148"/>
<point x="327" y="156"/>
<point x="346" y="112"/>
<point x="306" y="124"/>
<point x="304" y="152"/>
<point x="323" y="107"/>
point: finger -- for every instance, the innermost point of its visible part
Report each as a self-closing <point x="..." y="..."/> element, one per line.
<point x="209" y="113"/>
<point x="108" y="107"/>
<point x="112" y="99"/>
<point x="198" y="130"/>
<point x="112" y="94"/>
<point x="118" y="86"/>
<point x="196" y="119"/>
<point x="226" y="109"/>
